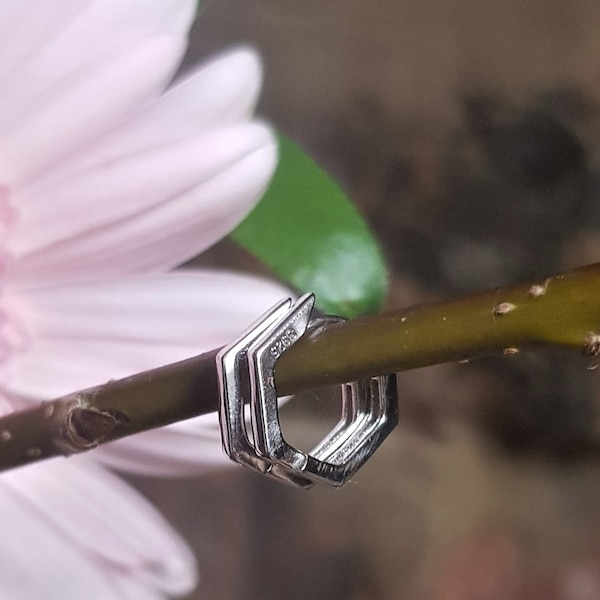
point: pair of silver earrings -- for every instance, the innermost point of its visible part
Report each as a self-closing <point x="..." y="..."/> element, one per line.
<point x="246" y="376"/>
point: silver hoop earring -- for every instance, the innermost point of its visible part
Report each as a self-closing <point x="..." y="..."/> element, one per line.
<point x="246" y="375"/>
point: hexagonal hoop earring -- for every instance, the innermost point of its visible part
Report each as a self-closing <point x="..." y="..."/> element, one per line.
<point x="233" y="382"/>
<point x="369" y="407"/>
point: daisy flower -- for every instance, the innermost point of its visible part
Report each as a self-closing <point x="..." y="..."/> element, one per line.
<point x="110" y="177"/>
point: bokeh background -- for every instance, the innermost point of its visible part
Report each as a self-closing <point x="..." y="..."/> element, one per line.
<point x="468" y="134"/>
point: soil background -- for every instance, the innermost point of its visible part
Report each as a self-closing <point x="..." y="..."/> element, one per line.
<point x="468" y="134"/>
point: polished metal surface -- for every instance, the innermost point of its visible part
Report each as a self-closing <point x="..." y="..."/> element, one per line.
<point x="246" y="376"/>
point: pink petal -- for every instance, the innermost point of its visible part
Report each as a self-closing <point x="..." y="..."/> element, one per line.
<point x="163" y="236"/>
<point x="38" y="37"/>
<point x="132" y="589"/>
<point x="40" y="126"/>
<point x="222" y="92"/>
<point x="37" y="561"/>
<point x="106" y="520"/>
<point x="83" y="335"/>
<point x="23" y="37"/>
<point x="122" y="19"/>
<point x="186" y="448"/>
<point x="122" y="189"/>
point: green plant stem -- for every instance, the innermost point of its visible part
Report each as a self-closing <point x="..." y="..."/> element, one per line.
<point x="562" y="311"/>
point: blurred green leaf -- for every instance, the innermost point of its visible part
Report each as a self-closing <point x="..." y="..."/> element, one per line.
<point x="312" y="237"/>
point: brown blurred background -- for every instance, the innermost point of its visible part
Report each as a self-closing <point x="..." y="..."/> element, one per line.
<point x="468" y="133"/>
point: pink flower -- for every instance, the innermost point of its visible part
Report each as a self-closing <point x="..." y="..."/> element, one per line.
<point x="108" y="183"/>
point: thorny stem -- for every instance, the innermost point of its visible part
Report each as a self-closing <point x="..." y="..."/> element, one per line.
<point x="563" y="311"/>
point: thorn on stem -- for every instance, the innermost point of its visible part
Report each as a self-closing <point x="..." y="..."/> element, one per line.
<point x="592" y="345"/>
<point x="87" y="427"/>
<point x="504" y="308"/>
<point x="511" y="351"/>
<point x="537" y="290"/>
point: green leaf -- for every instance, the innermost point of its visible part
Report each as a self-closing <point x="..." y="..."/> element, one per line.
<point x="306" y="230"/>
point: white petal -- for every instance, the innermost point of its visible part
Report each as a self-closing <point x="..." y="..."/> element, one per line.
<point x="185" y="448"/>
<point x="107" y="521"/>
<point x="165" y="235"/>
<point x="40" y="126"/>
<point x="119" y="190"/>
<point x="84" y="335"/>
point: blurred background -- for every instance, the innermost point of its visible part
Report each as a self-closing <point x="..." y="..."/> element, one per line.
<point x="468" y="134"/>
